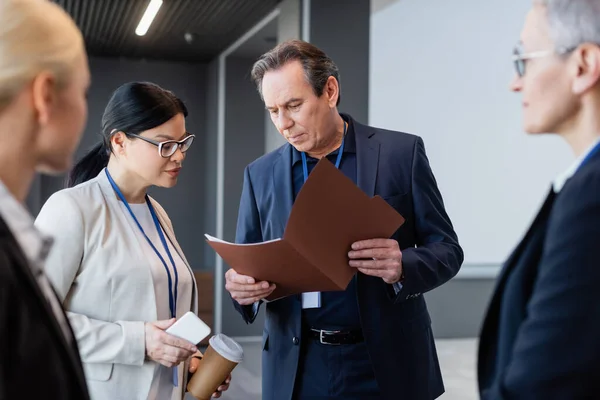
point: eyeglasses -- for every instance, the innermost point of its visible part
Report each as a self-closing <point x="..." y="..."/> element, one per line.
<point x="520" y="58"/>
<point x="167" y="148"/>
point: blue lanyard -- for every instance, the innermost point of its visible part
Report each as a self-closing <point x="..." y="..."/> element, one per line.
<point x="172" y="298"/>
<point x="337" y="161"/>
<point x="590" y="154"/>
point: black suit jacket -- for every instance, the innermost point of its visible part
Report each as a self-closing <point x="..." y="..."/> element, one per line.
<point x="541" y="336"/>
<point x="35" y="358"/>
<point x="397" y="327"/>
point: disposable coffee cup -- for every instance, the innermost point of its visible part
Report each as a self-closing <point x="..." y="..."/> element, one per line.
<point x="222" y="355"/>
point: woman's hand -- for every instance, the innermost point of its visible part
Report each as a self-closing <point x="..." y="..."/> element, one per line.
<point x="163" y="348"/>
<point x="195" y="362"/>
<point x="222" y="388"/>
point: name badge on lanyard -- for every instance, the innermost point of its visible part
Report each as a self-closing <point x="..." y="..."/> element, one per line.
<point x="172" y="291"/>
<point x="313" y="299"/>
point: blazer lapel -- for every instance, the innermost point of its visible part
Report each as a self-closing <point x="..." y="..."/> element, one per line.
<point x="168" y="231"/>
<point x="105" y="185"/>
<point x="114" y="204"/>
<point x="514" y="257"/>
<point x="171" y="236"/>
<point x="489" y="328"/>
<point x="22" y="264"/>
<point x="283" y="189"/>
<point x="367" y="158"/>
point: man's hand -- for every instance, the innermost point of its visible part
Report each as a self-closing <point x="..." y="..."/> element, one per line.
<point x="244" y="289"/>
<point x="377" y="257"/>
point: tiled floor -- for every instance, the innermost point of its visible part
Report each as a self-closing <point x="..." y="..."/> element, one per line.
<point x="457" y="358"/>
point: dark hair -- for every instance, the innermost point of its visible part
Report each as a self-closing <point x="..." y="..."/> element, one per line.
<point x="318" y="67"/>
<point x="133" y="108"/>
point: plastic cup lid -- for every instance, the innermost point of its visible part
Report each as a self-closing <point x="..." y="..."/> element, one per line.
<point x="227" y="347"/>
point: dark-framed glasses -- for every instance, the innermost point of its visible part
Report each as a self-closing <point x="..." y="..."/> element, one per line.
<point x="520" y="57"/>
<point x="167" y="148"/>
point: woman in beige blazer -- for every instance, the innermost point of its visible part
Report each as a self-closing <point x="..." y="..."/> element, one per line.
<point x="115" y="263"/>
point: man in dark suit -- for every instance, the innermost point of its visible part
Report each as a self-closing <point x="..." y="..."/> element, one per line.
<point x="541" y="335"/>
<point x="373" y="340"/>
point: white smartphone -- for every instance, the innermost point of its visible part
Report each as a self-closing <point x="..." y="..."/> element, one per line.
<point x="190" y="328"/>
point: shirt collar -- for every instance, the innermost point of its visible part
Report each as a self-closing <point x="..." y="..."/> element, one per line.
<point x="349" y="145"/>
<point x="21" y="224"/>
<point x="560" y="180"/>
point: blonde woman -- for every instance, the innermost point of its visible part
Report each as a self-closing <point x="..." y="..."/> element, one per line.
<point x="43" y="82"/>
<point x="117" y="265"/>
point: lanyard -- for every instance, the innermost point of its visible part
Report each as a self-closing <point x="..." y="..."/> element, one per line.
<point x="337" y="161"/>
<point x="590" y="154"/>
<point x="172" y="297"/>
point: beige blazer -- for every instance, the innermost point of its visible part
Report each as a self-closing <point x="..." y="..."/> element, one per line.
<point x="100" y="272"/>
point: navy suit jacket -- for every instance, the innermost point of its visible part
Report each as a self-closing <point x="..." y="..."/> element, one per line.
<point x="397" y="327"/>
<point x="541" y="336"/>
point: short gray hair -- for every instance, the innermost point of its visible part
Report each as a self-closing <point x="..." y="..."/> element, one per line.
<point x="317" y="65"/>
<point x="573" y="22"/>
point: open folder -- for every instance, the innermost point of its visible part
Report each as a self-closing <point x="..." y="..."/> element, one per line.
<point x="329" y="214"/>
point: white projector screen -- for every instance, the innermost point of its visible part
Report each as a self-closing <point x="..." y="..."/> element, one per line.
<point x="441" y="70"/>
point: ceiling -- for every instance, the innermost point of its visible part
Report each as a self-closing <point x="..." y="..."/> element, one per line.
<point x="108" y="26"/>
<point x="261" y="42"/>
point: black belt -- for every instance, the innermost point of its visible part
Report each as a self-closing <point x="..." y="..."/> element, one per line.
<point x="336" y="337"/>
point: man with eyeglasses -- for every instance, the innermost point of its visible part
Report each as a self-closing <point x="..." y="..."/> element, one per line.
<point x="541" y="335"/>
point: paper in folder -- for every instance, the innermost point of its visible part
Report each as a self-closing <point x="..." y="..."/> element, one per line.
<point x="329" y="214"/>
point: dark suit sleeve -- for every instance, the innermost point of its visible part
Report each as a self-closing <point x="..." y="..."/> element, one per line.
<point x="6" y="291"/>
<point x="557" y="348"/>
<point x="437" y="256"/>
<point x="248" y="231"/>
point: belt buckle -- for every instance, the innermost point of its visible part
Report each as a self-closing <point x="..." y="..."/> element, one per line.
<point x="321" y="332"/>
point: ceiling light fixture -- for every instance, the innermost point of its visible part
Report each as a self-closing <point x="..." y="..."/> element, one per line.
<point x="148" y="17"/>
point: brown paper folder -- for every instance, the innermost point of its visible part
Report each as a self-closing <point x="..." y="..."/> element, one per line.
<point x="329" y="214"/>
